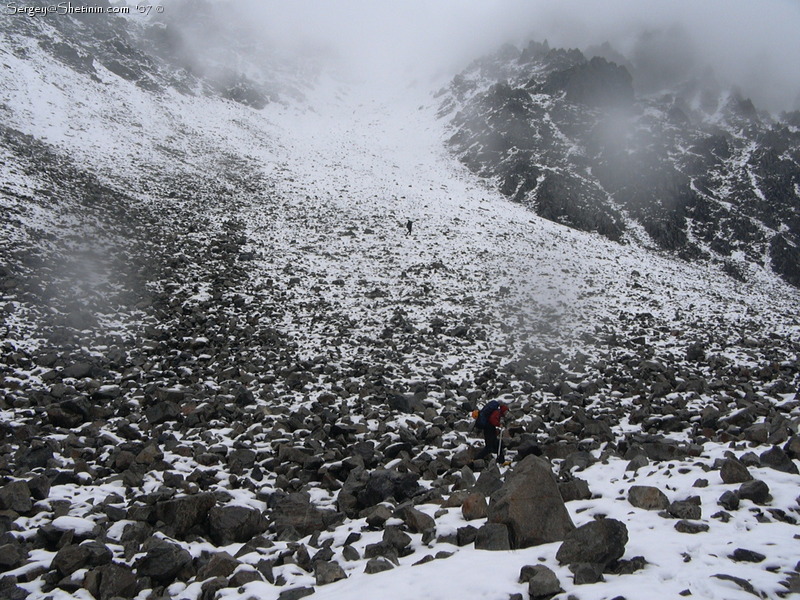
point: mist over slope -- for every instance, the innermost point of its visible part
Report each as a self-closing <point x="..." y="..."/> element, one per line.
<point x="697" y="167"/>
<point x="230" y="369"/>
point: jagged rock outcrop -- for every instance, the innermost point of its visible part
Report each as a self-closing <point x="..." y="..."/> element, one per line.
<point x="564" y="134"/>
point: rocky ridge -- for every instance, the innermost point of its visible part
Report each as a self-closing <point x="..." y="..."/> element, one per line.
<point x="695" y="169"/>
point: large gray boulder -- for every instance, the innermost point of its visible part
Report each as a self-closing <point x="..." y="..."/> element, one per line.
<point x="530" y="504"/>
<point x="599" y="542"/>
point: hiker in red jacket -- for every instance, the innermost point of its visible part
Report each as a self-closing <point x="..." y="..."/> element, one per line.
<point x="489" y="420"/>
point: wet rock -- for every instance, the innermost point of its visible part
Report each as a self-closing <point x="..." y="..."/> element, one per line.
<point x="600" y="542"/>
<point x="647" y="497"/>
<point x="530" y="505"/>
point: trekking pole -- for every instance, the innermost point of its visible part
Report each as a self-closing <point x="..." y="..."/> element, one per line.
<point x="500" y="442"/>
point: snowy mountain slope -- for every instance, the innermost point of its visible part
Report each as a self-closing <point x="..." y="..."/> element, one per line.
<point x="694" y="169"/>
<point x="253" y="322"/>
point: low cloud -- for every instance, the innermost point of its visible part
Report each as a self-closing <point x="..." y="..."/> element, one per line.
<point x="753" y="46"/>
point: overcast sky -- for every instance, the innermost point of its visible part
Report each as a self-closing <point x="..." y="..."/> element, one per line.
<point x="754" y="44"/>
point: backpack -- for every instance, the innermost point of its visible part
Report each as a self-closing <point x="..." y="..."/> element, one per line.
<point x="483" y="415"/>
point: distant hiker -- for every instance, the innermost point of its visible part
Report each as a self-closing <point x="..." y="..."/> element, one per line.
<point x="488" y="420"/>
<point x="409" y="225"/>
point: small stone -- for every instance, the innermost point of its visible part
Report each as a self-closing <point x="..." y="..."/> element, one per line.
<point x="743" y="555"/>
<point x="328" y="572"/>
<point x="416" y="520"/>
<point x="729" y="500"/>
<point x="377" y="565"/>
<point x="221" y="564"/>
<point x="543" y="583"/>
<point x="296" y="593"/>
<point x="685" y="510"/>
<point x="396" y="538"/>
<point x="637" y="462"/>
<point x="350" y="553"/>
<point x="585" y="573"/>
<point x="647" y="497"/>
<point x="684" y="526"/>
<point x="742" y="583"/>
<point x="466" y="535"/>
<point x="378" y="516"/>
